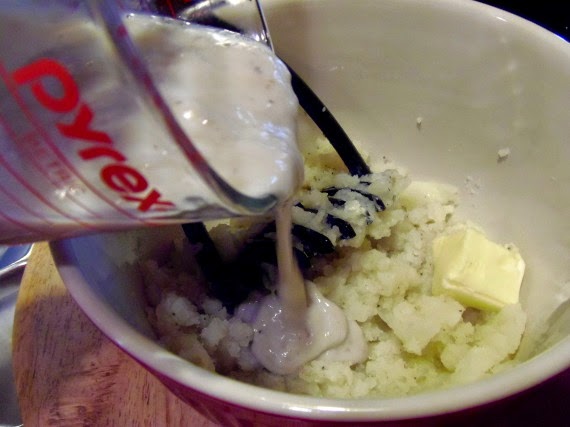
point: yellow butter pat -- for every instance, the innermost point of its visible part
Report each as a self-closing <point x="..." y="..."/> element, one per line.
<point x="475" y="271"/>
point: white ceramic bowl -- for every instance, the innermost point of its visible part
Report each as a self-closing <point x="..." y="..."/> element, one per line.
<point x="480" y="80"/>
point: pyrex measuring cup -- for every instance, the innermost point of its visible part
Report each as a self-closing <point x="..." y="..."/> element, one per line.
<point x="89" y="143"/>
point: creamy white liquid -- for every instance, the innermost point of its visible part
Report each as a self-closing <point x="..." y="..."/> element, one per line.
<point x="241" y="114"/>
<point x="298" y="324"/>
<point x="231" y="95"/>
<point x="233" y="98"/>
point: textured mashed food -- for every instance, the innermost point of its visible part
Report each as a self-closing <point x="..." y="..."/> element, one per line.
<point x="381" y="276"/>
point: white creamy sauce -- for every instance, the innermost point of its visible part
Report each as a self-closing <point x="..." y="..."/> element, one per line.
<point x="285" y="340"/>
<point x="353" y="349"/>
<point x="299" y="324"/>
<point x="242" y="116"/>
<point x="233" y="97"/>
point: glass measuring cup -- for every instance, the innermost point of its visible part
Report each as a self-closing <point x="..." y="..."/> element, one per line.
<point x="68" y="164"/>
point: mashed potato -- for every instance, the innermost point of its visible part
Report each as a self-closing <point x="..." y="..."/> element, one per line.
<point x="381" y="278"/>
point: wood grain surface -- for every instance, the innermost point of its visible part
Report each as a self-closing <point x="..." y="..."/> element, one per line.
<point x="69" y="374"/>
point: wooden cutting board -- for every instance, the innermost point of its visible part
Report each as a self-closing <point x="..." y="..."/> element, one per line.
<point x="68" y="374"/>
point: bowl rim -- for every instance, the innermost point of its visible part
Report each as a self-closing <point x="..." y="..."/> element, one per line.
<point x="150" y="354"/>
<point x="519" y="378"/>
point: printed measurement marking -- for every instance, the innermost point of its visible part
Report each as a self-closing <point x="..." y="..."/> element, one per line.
<point x="4" y="75"/>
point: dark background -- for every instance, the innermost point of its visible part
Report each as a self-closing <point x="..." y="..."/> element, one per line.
<point x="554" y="15"/>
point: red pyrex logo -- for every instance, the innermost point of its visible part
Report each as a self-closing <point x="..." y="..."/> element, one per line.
<point x="117" y="174"/>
